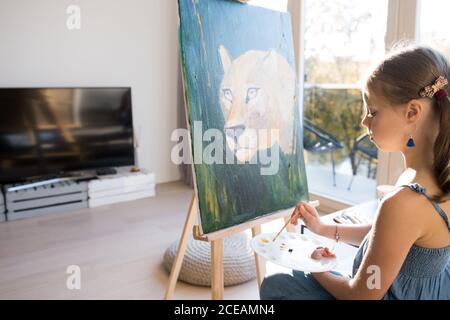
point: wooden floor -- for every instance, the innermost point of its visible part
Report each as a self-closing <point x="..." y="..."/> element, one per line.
<point x="119" y="249"/>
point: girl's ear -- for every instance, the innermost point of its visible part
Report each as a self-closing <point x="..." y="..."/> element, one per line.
<point x="413" y="111"/>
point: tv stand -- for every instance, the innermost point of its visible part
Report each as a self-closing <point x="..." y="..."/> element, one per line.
<point x="126" y="185"/>
<point x="49" y="181"/>
<point x="76" y="190"/>
<point x="36" y="184"/>
<point x="40" y="197"/>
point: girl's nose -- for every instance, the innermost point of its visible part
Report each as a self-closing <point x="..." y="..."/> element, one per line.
<point x="365" y="122"/>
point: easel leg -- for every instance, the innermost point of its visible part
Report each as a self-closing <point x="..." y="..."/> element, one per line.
<point x="188" y="224"/>
<point x="260" y="262"/>
<point x="217" y="269"/>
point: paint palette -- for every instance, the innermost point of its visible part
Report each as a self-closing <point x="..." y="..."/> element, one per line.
<point x="293" y="251"/>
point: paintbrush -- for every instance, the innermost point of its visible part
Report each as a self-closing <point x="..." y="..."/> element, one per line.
<point x="314" y="204"/>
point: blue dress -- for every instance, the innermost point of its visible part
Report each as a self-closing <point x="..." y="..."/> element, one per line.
<point x="424" y="275"/>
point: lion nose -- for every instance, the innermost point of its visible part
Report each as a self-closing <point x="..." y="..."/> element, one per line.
<point x="235" y="131"/>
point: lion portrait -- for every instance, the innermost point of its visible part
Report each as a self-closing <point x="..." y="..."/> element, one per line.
<point x="257" y="95"/>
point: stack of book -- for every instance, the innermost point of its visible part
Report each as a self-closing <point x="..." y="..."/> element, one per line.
<point x="121" y="187"/>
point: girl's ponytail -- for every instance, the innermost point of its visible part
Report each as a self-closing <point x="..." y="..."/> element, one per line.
<point x="442" y="145"/>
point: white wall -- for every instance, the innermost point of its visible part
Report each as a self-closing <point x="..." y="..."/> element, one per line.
<point x="120" y="43"/>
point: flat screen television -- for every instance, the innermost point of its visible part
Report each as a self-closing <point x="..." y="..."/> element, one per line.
<point x="45" y="132"/>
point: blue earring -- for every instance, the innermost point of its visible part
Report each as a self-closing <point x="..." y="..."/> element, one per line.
<point x="410" y="143"/>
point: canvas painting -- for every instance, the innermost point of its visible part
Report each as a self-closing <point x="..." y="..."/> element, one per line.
<point x="243" y="111"/>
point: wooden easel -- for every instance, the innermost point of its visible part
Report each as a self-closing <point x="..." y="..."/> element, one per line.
<point x="216" y="239"/>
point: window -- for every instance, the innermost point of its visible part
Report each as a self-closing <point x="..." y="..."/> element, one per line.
<point x="433" y="25"/>
<point x="342" y="39"/>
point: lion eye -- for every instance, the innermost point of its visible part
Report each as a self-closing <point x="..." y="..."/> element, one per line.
<point x="251" y="94"/>
<point x="228" y="94"/>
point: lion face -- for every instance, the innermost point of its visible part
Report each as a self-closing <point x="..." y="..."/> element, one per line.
<point x="257" y="96"/>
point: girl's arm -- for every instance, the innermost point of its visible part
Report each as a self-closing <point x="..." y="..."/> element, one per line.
<point x="352" y="234"/>
<point x="395" y="231"/>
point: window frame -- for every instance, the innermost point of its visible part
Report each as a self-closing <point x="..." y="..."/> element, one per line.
<point x="402" y="24"/>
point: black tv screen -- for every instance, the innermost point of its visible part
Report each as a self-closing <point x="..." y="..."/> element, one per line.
<point x="49" y="131"/>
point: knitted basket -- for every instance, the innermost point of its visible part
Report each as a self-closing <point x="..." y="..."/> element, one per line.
<point x="238" y="261"/>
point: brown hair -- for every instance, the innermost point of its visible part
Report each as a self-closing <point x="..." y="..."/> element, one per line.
<point x="400" y="77"/>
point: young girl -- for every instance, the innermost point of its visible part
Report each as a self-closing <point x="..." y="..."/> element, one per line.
<point x="407" y="109"/>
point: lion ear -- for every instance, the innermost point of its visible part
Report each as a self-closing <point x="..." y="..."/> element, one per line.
<point x="270" y="60"/>
<point x="225" y="58"/>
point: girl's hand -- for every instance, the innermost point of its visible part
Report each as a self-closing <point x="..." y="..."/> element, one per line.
<point x="310" y="217"/>
<point x="322" y="252"/>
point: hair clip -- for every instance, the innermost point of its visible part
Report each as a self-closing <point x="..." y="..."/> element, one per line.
<point x="430" y="91"/>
